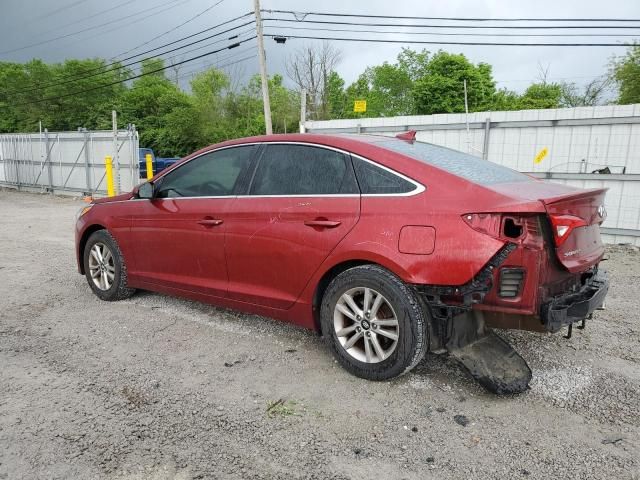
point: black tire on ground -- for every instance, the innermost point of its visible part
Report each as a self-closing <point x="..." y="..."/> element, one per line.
<point x="118" y="289"/>
<point x="413" y="331"/>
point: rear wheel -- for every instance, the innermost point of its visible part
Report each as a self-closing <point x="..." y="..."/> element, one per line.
<point x="104" y="267"/>
<point x="374" y="323"/>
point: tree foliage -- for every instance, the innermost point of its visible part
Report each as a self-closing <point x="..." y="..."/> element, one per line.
<point x="173" y="121"/>
<point x="625" y="71"/>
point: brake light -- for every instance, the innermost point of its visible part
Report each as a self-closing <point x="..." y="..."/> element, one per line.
<point x="563" y="225"/>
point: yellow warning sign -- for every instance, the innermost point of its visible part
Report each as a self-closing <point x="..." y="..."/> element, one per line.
<point x="360" y="106"/>
<point x="541" y="154"/>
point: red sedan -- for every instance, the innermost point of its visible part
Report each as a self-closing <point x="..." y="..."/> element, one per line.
<point x="387" y="246"/>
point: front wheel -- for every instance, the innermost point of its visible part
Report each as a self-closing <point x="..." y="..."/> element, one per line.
<point x="104" y="267"/>
<point x="374" y="323"/>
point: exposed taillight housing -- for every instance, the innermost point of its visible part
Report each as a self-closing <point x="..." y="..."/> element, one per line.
<point x="516" y="228"/>
<point x="563" y="225"/>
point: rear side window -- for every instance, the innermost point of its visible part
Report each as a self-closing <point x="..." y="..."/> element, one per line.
<point x="210" y="175"/>
<point x="376" y="180"/>
<point x="302" y="170"/>
<point x="474" y="169"/>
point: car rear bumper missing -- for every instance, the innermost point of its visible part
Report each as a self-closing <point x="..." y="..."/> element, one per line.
<point x="573" y="307"/>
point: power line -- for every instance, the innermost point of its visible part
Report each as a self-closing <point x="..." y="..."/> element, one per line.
<point x="173" y="29"/>
<point x="456" y="19"/>
<point x="217" y="65"/>
<point x="61" y="9"/>
<point x="457" y="34"/>
<point x="110" y="84"/>
<point x="117" y="65"/>
<point x="427" y="42"/>
<point x="484" y="27"/>
<point x="171" y="3"/>
<point x="84" y="19"/>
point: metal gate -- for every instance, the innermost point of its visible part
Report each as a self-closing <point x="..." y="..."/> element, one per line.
<point x="69" y="162"/>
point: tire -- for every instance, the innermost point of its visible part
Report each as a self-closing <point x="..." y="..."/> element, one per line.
<point x="399" y="314"/>
<point x="113" y="267"/>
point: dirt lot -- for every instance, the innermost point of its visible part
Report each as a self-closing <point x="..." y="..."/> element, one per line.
<point x="162" y="388"/>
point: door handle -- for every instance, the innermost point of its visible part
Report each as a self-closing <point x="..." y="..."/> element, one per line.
<point x="322" y="223"/>
<point x="210" y="222"/>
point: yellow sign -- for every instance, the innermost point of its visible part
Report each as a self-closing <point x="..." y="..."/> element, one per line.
<point x="541" y="154"/>
<point x="360" y="106"/>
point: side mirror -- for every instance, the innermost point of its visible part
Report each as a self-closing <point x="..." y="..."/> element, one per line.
<point x="146" y="190"/>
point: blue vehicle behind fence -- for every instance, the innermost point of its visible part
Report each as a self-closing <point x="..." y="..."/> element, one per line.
<point x="159" y="163"/>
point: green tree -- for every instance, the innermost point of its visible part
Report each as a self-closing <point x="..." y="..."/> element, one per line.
<point x="541" y="95"/>
<point x="441" y="89"/>
<point x="625" y="71"/>
<point x="150" y="105"/>
<point x="336" y="96"/>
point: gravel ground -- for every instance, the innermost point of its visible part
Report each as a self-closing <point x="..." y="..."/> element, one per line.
<point x="162" y="388"/>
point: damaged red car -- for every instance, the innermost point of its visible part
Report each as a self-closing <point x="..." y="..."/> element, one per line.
<point x="388" y="247"/>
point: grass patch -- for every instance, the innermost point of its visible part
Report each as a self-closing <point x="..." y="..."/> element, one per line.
<point x="281" y="408"/>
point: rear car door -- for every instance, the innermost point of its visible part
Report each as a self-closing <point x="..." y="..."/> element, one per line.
<point x="302" y="201"/>
<point x="179" y="234"/>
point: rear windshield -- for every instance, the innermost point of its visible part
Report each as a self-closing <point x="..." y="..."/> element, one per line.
<point x="467" y="166"/>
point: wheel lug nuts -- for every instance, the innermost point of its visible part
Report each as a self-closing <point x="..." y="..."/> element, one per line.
<point x="358" y="329"/>
<point x="374" y="325"/>
<point x="368" y="334"/>
<point x="358" y="317"/>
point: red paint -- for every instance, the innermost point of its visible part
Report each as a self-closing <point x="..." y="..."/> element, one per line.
<point x="418" y="240"/>
<point x="267" y="255"/>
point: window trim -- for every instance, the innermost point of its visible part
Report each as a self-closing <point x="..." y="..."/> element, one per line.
<point x="419" y="188"/>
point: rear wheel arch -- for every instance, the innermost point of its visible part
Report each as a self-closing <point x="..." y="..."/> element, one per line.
<point x="83" y="242"/>
<point x="328" y="277"/>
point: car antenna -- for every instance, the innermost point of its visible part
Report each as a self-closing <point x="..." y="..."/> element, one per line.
<point x="409" y="136"/>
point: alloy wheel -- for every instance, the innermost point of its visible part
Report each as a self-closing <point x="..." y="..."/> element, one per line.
<point x="366" y="325"/>
<point x="101" y="266"/>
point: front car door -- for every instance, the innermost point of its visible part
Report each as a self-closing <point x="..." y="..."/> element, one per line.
<point x="180" y="233"/>
<point x="302" y="201"/>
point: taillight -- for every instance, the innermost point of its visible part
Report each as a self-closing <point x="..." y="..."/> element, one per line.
<point x="516" y="228"/>
<point x="563" y="225"/>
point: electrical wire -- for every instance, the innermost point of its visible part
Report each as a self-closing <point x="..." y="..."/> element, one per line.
<point x="118" y="65"/>
<point x="456" y="19"/>
<point x="171" y="4"/>
<point x="140" y="75"/>
<point x="458" y="34"/>
<point x="172" y="29"/>
<point x="484" y="27"/>
<point x="428" y="42"/>
<point x="61" y="9"/>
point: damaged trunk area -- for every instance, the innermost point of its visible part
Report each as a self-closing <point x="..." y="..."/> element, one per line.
<point x="464" y="334"/>
<point x="486" y="356"/>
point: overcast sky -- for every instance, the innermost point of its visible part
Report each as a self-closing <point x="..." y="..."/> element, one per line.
<point x="130" y="23"/>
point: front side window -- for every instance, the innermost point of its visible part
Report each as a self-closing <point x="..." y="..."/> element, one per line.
<point x="213" y="174"/>
<point x="286" y="169"/>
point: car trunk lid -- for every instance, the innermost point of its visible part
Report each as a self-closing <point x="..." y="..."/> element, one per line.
<point x="582" y="211"/>
<point x="577" y="216"/>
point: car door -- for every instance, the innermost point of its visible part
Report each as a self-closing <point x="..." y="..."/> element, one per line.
<point x="179" y="234"/>
<point x="302" y="201"/>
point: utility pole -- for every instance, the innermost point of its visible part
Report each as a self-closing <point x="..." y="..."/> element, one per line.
<point x="303" y="109"/>
<point x="466" y="115"/>
<point x="263" y="69"/>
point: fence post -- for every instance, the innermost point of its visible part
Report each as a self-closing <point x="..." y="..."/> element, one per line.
<point x="485" y="147"/>
<point x="147" y="157"/>
<point x="47" y="160"/>
<point x="87" y="167"/>
<point x="108" y="165"/>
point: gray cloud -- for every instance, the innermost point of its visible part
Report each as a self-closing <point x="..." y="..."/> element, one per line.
<point x="31" y="21"/>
